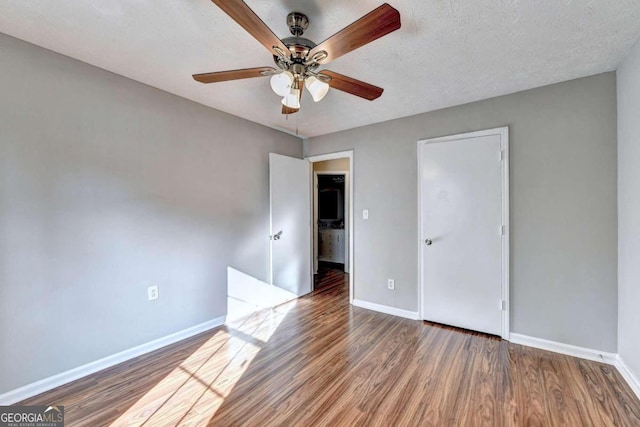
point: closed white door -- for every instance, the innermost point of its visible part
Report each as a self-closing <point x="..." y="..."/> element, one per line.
<point x="462" y="229"/>
<point x="290" y="192"/>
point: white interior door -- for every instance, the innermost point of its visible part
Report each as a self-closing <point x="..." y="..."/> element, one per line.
<point x="290" y="192"/>
<point x="462" y="229"/>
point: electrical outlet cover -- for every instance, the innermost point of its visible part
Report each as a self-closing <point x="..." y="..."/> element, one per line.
<point x="152" y="293"/>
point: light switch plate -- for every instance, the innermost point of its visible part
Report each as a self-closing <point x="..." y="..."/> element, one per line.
<point x="365" y="214"/>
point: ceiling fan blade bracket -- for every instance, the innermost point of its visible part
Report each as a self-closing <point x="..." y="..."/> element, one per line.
<point x="270" y="72"/>
<point x="322" y="77"/>
<point x="281" y="55"/>
<point x="317" y="58"/>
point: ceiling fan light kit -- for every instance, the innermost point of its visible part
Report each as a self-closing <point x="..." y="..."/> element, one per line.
<point x="281" y="83"/>
<point x="292" y="99"/>
<point x="298" y="58"/>
<point x="317" y="88"/>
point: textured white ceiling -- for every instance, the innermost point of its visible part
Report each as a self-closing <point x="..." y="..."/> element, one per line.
<point x="448" y="52"/>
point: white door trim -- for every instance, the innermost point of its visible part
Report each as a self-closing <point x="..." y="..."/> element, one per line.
<point x="503" y="132"/>
<point x="333" y="156"/>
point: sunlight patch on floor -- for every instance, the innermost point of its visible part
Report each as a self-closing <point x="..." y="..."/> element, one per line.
<point x="193" y="392"/>
<point x="246" y="294"/>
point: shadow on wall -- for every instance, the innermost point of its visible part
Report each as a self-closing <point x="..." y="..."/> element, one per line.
<point x="246" y="294"/>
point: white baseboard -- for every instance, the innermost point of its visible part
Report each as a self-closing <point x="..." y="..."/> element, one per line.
<point x="583" y="353"/>
<point x="50" y="383"/>
<point x="628" y="375"/>
<point x="413" y="315"/>
<point x="570" y="350"/>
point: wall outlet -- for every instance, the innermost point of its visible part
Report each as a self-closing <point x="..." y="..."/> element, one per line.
<point x="152" y="293"/>
<point x="391" y="284"/>
<point x="365" y="214"/>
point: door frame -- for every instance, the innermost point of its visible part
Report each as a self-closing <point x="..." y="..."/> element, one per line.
<point x="347" y="229"/>
<point x="349" y="189"/>
<point x="503" y="132"/>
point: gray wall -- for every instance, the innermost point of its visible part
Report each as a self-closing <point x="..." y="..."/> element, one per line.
<point x="563" y="205"/>
<point x="107" y="186"/>
<point x="629" y="210"/>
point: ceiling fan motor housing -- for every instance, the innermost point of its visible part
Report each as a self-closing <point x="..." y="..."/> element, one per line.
<point x="299" y="48"/>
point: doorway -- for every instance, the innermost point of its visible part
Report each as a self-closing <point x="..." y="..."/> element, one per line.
<point x="464" y="230"/>
<point x="332" y="236"/>
<point x="330" y="214"/>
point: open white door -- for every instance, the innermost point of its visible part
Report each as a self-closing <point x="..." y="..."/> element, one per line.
<point x="290" y="191"/>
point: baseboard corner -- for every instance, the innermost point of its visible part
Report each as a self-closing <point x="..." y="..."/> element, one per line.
<point x="629" y="376"/>
<point x="562" y="348"/>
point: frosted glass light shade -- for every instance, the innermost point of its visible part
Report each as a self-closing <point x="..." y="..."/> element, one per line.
<point x="281" y="83"/>
<point x="292" y="99"/>
<point x="318" y="89"/>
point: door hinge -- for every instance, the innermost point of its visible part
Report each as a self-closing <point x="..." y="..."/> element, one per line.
<point x="501" y="230"/>
<point x="501" y="155"/>
<point x="503" y="305"/>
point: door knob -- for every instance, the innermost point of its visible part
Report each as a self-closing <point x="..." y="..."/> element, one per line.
<point x="428" y="242"/>
<point x="277" y="235"/>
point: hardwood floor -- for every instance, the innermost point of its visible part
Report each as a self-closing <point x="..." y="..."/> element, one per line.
<point x="319" y="361"/>
<point x="329" y="276"/>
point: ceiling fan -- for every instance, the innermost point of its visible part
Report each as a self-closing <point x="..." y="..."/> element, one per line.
<point x="298" y="58"/>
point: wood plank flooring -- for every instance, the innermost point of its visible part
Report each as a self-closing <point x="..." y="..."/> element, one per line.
<point x="317" y="361"/>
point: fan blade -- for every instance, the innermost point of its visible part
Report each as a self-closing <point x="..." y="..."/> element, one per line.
<point x="353" y="86"/>
<point x="247" y="19"/>
<point x="223" y="76"/>
<point x="370" y="27"/>
<point x="287" y="110"/>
